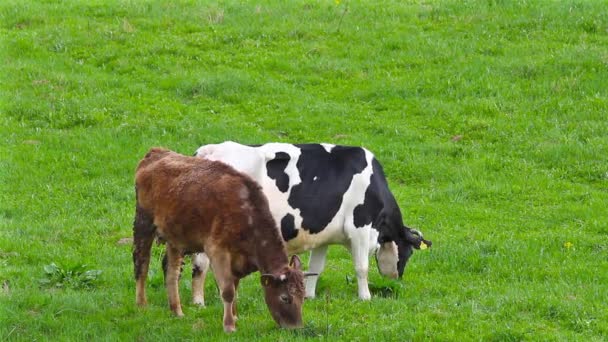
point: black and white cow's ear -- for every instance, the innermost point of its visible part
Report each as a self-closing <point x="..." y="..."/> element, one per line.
<point x="415" y="238"/>
<point x="295" y="262"/>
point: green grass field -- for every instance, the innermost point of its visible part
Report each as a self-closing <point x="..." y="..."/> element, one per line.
<point x="490" y="118"/>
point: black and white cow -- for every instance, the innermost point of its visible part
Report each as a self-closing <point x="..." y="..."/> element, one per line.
<point x="322" y="194"/>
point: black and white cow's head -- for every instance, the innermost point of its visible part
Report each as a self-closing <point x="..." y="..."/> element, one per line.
<point x="395" y="251"/>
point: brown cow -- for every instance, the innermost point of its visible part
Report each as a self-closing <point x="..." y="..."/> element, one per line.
<point x="196" y="205"/>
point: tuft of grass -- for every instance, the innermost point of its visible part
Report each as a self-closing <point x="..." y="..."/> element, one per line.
<point x="74" y="276"/>
<point x="387" y="288"/>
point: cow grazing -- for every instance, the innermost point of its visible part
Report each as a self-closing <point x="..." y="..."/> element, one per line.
<point x="323" y="194"/>
<point x="197" y="205"/>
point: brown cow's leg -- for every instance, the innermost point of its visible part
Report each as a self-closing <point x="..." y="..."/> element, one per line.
<point x="226" y="283"/>
<point x="228" y="296"/>
<point x="236" y="294"/>
<point x="174" y="262"/>
<point x="143" y="236"/>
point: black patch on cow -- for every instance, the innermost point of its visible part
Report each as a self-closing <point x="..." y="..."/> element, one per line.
<point x="381" y="210"/>
<point x="288" y="227"/>
<point x="325" y="178"/>
<point x="369" y="211"/>
<point x="165" y="264"/>
<point x="196" y="271"/>
<point x="276" y="170"/>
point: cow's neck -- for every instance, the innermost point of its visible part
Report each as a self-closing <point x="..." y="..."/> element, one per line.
<point x="269" y="251"/>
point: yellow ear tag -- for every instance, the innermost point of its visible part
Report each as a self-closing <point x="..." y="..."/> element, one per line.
<point x="423" y="245"/>
<point x="266" y="281"/>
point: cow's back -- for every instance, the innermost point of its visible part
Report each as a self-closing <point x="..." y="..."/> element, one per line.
<point x="193" y="200"/>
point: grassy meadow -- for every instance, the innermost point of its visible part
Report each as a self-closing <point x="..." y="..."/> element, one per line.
<point x="490" y="118"/>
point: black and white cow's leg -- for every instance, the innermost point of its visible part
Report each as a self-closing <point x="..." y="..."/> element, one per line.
<point x="315" y="265"/>
<point x="200" y="266"/>
<point x="359" y="249"/>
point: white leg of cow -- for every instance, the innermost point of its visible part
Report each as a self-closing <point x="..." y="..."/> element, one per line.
<point x="359" y="250"/>
<point x="200" y="266"/>
<point x="316" y="265"/>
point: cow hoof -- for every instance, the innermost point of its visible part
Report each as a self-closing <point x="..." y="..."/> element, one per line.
<point x="199" y="302"/>
<point x="229" y="328"/>
<point x="365" y="296"/>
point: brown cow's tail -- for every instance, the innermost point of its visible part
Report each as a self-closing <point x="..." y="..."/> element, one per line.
<point x="143" y="236"/>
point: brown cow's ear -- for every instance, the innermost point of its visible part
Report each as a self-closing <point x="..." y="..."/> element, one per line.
<point x="267" y="279"/>
<point x="295" y="262"/>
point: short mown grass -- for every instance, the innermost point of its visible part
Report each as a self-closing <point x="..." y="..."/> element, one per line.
<point x="488" y="116"/>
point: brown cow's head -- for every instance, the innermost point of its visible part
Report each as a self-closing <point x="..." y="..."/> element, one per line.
<point x="284" y="294"/>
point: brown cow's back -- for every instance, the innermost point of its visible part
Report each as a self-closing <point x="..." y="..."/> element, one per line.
<point x="210" y="203"/>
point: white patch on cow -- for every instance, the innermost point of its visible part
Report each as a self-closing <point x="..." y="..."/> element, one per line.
<point x="388" y="257"/>
<point x="292" y="170"/>
<point x="355" y="195"/>
<point x="373" y="241"/>
<point x="246" y="159"/>
<point x="282" y="277"/>
<point x="279" y="201"/>
<point x="314" y="178"/>
<point x="328" y="147"/>
<point x="305" y="241"/>
<point x="243" y="193"/>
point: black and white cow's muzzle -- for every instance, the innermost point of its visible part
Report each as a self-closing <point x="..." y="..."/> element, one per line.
<point x="387" y="258"/>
